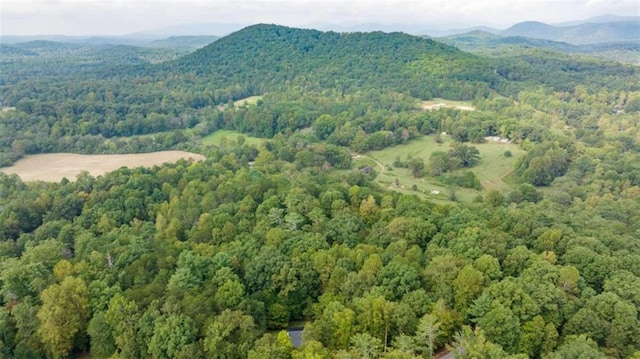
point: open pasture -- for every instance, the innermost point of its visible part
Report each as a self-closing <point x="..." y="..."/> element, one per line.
<point x="491" y="170"/>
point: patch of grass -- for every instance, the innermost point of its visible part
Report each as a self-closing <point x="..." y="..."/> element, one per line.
<point x="219" y="137"/>
<point x="492" y="170"/>
<point x="251" y="100"/>
<point x="436" y="103"/>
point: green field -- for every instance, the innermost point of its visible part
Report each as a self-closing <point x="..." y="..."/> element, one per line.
<point x="436" y="103"/>
<point x="491" y="170"/>
<point x="219" y="137"/>
<point x="251" y="100"/>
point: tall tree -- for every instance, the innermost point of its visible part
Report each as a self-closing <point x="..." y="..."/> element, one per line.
<point x="230" y="336"/>
<point x="64" y="313"/>
<point x="427" y="334"/>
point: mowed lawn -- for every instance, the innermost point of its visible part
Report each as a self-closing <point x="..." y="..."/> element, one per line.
<point x="491" y="170"/>
<point x="219" y="137"/>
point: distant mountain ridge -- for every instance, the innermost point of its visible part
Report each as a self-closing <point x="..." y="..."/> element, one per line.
<point x="196" y="29"/>
<point x="585" y="33"/>
<point x="475" y="39"/>
<point x="485" y="43"/>
<point x="604" y="28"/>
<point x="600" y="19"/>
<point x="188" y="42"/>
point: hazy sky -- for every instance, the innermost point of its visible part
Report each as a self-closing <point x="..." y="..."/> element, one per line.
<point x="117" y="17"/>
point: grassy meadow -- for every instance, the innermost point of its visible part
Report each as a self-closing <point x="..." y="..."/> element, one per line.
<point x="219" y="137"/>
<point x="492" y="169"/>
<point x="436" y="103"/>
<point x="251" y="100"/>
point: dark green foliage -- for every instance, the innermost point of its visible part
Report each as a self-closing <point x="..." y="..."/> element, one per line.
<point x="543" y="164"/>
<point x="466" y="180"/>
<point x="416" y="166"/>
<point x="466" y="156"/>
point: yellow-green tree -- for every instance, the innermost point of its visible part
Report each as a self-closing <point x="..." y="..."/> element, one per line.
<point x="63" y="314"/>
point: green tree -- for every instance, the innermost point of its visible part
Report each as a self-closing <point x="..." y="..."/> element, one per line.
<point x="577" y="347"/>
<point x="467" y="156"/>
<point x="102" y="342"/>
<point x="365" y="346"/>
<point x="230" y="335"/>
<point x="609" y="320"/>
<point x="122" y="316"/>
<point x="427" y="334"/>
<point x="170" y="334"/>
<point x="272" y="346"/>
<point x="471" y="344"/>
<point x="416" y="166"/>
<point x="467" y="286"/>
<point x="27" y="339"/>
<point x="501" y="327"/>
<point x="7" y="333"/>
<point x="311" y="350"/>
<point x="438" y="163"/>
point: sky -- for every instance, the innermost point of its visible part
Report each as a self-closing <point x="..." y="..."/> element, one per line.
<point x="120" y="17"/>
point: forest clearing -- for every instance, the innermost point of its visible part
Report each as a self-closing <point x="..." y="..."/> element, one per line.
<point x="220" y="137"/>
<point x="438" y="103"/>
<point x="492" y="168"/>
<point x="53" y="167"/>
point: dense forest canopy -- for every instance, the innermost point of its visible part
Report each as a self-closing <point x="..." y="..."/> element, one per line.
<point x="214" y="258"/>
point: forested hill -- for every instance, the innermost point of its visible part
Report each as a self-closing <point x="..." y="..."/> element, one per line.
<point x="262" y="58"/>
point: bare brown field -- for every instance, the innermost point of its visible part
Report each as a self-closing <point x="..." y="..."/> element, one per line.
<point x="53" y="167"/>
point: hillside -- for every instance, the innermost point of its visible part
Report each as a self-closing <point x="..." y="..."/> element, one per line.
<point x="265" y="57"/>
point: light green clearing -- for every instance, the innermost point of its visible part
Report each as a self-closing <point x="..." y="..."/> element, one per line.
<point x="251" y="100"/>
<point x="437" y="103"/>
<point x="491" y="170"/>
<point x="221" y="136"/>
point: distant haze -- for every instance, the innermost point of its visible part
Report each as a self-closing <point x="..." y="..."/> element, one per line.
<point x="119" y="17"/>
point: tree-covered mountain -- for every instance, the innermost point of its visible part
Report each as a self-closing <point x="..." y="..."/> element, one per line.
<point x="262" y="58"/>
